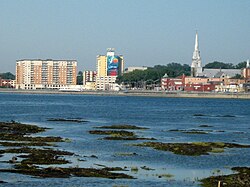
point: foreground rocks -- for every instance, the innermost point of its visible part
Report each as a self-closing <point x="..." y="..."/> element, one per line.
<point x="59" y="172"/>
<point x="192" y="149"/>
<point x="239" y="179"/>
<point x="119" y="134"/>
<point x="27" y="155"/>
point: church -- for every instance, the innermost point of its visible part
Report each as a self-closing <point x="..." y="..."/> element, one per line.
<point x="198" y="71"/>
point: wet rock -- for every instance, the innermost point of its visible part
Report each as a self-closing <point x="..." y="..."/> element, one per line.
<point x="240" y="179"/>
<point x="68" y="120"/>
<point x="58" y="172"/>
<point x="131" y="127"/>
<point x="192" y="149"/>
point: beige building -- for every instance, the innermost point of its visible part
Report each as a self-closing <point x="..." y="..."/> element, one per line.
<point x="107" y="83"/>
<point x="45" y="74"/>
<point x="201" y="80"/>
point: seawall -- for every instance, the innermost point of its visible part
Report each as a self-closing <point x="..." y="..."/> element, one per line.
<point x="137" y="93"/>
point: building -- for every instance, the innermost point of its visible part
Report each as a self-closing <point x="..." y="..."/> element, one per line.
<point x="7" y="83"/>
<point x="89" y="80"/>
<point x="172" y="84"/>
<point x="196" y="66"/>
<point x="199" y="87"/>
<point x="107" y="83"/>
<point x="108" y="67"/>
<point x="220" y="73"/>
<point x="45" y="74"/>
<point x="130" y="69"/>
<point x="109" y="64"/>
<point x="246" y="71"/>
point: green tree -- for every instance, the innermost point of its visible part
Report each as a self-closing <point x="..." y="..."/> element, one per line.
<point x="217" y="65"/>
<point x="79" y="80"/>
<point x="153" y="75"/>
<point x="241" y="65"/>
<point x="8" y="75"/>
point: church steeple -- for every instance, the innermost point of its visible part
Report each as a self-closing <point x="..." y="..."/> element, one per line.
<point x="196" y="47"/>
<point x="196" y="67"/>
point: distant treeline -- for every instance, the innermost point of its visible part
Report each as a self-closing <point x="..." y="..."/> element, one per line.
<point x="222" y="65"/>
<point x="154" y="74"/>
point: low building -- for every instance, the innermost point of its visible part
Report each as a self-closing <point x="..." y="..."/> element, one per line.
<point x="199" y="87"/>
<point x="231" y="88"/>
<point x="7" y="83"/>
<point x="131" y="69"/>
<point x="172" y="84"/>
<point x="107" y="83"/>
<point x="90" y="86"/>
<point x="220" y="73"/>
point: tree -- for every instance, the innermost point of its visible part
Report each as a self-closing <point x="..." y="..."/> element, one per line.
<point x="218" y="65"/>
<point x="8" y="75"/>
<point x="153" y="75"/>
<point x="79" y="80"/>
<point x="241" y="65"/>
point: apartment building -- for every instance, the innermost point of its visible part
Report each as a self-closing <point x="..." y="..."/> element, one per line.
<point x="89" y="80"/>
<point x="45" y="74"/>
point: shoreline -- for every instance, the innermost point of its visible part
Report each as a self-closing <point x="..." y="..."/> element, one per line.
<point x="138" y="93"/>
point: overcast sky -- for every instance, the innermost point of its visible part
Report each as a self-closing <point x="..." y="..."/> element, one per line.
<point x="145" y="32"/>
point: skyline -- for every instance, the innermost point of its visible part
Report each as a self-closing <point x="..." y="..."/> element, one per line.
<point x="145" y="33"/>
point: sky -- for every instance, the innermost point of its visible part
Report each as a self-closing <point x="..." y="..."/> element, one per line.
<point x="145" y="32"/>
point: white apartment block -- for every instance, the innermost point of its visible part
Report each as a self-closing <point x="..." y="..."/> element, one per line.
<point x="45" y="74"/>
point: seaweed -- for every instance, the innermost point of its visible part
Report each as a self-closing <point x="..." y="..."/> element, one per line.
<point x="239" y="179"/>
<point x="131" y="127"/>
<point x="191" y="149"/>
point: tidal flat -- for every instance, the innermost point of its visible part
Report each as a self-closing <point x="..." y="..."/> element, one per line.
<point x="61" y="144"/>
<point x="31" y="158"/>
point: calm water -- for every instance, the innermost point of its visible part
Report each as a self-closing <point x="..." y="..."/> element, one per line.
<point x="158" y="114"/>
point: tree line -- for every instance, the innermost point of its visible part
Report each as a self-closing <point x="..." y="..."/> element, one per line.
<point x="153" y="75"/>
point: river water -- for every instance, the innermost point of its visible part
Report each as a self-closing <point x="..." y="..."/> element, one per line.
<point x="228" y="120"/>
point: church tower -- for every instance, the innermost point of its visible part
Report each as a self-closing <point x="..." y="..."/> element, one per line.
<point x="196" y="67"/>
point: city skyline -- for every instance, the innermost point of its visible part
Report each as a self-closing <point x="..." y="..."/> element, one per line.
<point x="146" y="33"/>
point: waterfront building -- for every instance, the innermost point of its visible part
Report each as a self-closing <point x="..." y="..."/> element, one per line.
<point x="108" y="67"/>
<point x="7" y="83"/>
<point x="45" y="74"/>
<point x="89" y="79"/>
<point x="107" y="83"/>
<point x="206" y="87"/>
<point x="196" y="66"/>
<point x="172" y="84"/>
<point x="246" y="71"/>
<point x="130" y="69"/>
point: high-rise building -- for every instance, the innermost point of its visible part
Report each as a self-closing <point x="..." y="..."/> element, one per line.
<point x="196" y="67"/>
<point x="109" y="64"/>
<point x="42" y="74"/>
<point x="108" y="67"/>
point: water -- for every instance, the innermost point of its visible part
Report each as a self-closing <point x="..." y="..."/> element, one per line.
<point x="158" y="114"/>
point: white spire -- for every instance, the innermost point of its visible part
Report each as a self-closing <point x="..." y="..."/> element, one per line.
<point x="248" y="64"/>
<point x="196" y="47"/>
<point x="196" y="67"/>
